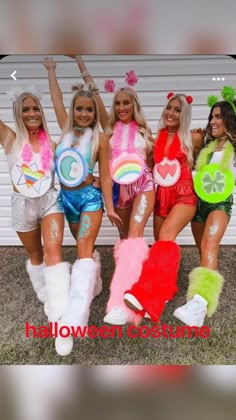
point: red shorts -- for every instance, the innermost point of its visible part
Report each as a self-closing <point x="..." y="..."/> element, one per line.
<point x="180" y="193"/>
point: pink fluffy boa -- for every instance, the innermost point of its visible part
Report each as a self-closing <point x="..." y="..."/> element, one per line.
<point x="46" y="153"/>
<point x="118" y="137"/>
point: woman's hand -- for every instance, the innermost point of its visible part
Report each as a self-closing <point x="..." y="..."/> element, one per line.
<point x="114" y="218"/>
<point x="49" y="63"/>
<point x="96" y="182"/>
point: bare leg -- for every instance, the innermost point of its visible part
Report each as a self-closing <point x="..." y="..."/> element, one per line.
<point x="215" y="228"/>
<point x="33" y="245"/>
<point x="175" y="222"/>
<point x="142" y="208"/>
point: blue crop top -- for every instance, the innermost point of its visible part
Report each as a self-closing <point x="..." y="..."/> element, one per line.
<point x="84" y="147"/>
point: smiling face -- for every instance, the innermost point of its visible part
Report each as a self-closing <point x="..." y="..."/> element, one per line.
<point x="123" y="107"/>
<point x="84" y="111"/>
<point x="31" y="114"/>
<point x="217" y="124"/>
<point x="172" y="115"/>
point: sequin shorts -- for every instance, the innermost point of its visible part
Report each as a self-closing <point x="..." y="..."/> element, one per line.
<point x="27" y="213"/>
<point x="204" y="209"/>
<point x="127" y="193"/>
<point x="167" y="197"/>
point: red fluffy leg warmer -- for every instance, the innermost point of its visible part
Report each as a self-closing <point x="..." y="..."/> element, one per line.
<point x="158" y="280"/>
<point x="129" y="256"/>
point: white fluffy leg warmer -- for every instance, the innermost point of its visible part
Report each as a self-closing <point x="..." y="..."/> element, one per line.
<point x="37" y="279"/>
<point x="83" y="279"/>
<point x="57" y="279"/>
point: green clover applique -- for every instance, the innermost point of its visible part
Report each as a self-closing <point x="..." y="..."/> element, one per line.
<point x="214" y="184"/>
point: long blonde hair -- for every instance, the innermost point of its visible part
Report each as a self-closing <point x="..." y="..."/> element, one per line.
<point x="138" y="116"/>
<point x="184" y="128"/>
<point x="14" y="146"/>
<point x="88" y="91"/>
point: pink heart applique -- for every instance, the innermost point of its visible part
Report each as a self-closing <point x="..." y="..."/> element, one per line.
<point x="166" y="169"/>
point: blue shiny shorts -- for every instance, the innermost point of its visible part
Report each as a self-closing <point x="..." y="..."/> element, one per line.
<point x="79" y="201"/>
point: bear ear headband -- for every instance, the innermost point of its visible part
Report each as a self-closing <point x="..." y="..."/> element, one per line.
<point x="189" y="99"/>
<point x="15" y="92"/>
<point x="131" y="79"/>
<point x="228" y="94"/>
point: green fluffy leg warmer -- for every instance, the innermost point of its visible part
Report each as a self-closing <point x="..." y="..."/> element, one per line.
<point x="207" y="283"/>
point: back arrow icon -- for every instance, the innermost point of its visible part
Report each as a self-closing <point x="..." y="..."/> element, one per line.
<point x="13" y="75"/>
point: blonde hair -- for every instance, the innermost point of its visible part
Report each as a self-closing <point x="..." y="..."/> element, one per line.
<point x="138" y="116"/>
<point x="184" y="128"/>
<point x="14" y="146"/>
<point x="82" y="91"/>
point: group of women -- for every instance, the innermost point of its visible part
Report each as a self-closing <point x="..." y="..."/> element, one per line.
<point x="131" y="165"/>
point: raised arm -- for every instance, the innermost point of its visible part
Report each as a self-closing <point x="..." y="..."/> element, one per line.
<point x="55" y="92"/>
<point x="88" y="79"/>
<point x="6" y="135"/>
<point x="105" y="179"/>
<point x="197" y="141"/>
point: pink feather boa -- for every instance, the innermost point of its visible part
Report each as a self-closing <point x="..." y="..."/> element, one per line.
<point x="46" y="153"/>
<point x="118" y="136"/>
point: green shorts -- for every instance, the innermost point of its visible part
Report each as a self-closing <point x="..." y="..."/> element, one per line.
<point x="204" y="209"/>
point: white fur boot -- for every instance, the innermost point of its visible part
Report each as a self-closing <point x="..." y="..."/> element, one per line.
<point x="98" y="284"/>
<point x="37" y="280"/>
<point x="83" y="279"/>
<point x="57" y="279"/>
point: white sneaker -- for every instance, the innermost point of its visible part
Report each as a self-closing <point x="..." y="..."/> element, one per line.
<point x="116" y="316"/>
<point x="193" y="312"/>
<point x="132" y="302"/>
<point x="64" y="346"/>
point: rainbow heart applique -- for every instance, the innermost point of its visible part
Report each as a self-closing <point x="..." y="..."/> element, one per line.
<point x="166" y="169"/>
<point x="31" y="177"/>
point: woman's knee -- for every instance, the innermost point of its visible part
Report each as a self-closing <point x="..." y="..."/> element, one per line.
<point x="52" y="254"/>
<point x="167" y="234"/>
<point x="85" y="247"/>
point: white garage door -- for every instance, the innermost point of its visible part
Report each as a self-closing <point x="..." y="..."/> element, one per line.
<point x="198" y="76"/>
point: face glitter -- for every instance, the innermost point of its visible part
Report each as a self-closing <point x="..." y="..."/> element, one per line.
<point x="141" y="209"/>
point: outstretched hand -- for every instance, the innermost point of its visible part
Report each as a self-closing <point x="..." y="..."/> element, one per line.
<point x="49" y="63"/>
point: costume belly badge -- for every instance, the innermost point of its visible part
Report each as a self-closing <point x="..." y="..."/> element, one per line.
<point x="167" y="172"/>
<point x="126" y="168"/>
<point x="214" y="184"/>
<point x="30" y="180"/>
<point x="71" y="167"/>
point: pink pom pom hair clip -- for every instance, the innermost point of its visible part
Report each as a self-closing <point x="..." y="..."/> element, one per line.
<point x="189" y="98"/>
<point x="131" y="79"/>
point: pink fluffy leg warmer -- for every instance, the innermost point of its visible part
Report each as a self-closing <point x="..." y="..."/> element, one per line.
<point x="129" y="255"/>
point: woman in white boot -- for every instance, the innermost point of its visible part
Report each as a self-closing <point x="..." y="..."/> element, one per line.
<point x="81" y="145"/>
<point x="131" y="145"/>
<point x="36" y="211"/>
<point x="214" y="184"/>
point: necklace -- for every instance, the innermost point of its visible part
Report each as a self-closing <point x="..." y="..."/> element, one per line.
<point x="80" y="129"/>
<point x="170" y="134"/>
<point x="34" y="131"/>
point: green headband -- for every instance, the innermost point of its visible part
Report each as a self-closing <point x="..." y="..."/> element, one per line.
<point x="228" y="94"/>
